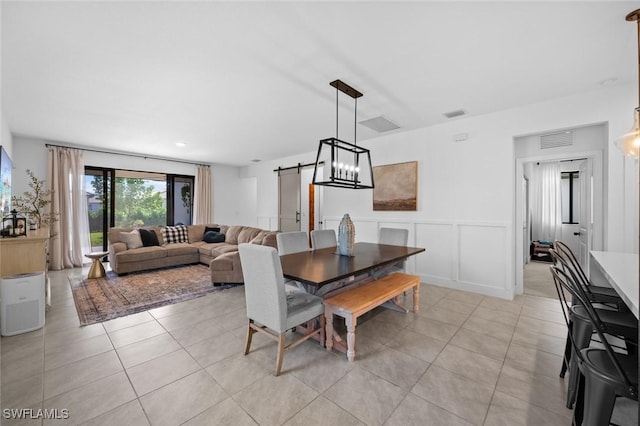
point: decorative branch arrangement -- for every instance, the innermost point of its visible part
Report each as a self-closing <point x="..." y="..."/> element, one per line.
<point x="34" y="203"/>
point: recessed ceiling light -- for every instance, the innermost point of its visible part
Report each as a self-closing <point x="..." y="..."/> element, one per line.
<point x="181" y="144"/>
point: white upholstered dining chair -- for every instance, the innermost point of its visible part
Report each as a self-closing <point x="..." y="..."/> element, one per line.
<point x="270" y="309"/>
<point x="323" y="238"/>
<point x="292" y="242"/>
<point x="392" y="237"/>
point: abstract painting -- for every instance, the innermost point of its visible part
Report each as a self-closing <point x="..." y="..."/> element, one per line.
<point x="396" y="187"/>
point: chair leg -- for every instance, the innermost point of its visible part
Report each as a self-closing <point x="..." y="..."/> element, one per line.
<point x="567" y="353"/>
<point x="582" y="331"/>
<point x="250" y="332"/>
<point x="599" y="399"/>
<point x="282" y="337"/>
<point x="578" y="411"/>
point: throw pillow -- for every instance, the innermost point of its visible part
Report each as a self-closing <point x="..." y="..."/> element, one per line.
<point x="175" y="234"/>
<point x="149" y="237"/>
<point x="207" y="229"/>
<point x="131" y="239"/>
<point x="213" y="237"/>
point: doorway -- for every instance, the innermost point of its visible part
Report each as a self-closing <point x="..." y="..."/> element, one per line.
<point x="298" y="199"/>
<point x="581" y="223"/>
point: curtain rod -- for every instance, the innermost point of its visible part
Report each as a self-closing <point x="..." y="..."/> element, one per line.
<point x="146" y="157"/>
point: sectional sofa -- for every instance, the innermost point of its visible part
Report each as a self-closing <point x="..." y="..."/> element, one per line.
<point x="222" y="257"/>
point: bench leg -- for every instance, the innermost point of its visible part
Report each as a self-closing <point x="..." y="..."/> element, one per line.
<point x="328" y="315"/>
<point x="416" y="298"/>
<point x="351" y="337"/>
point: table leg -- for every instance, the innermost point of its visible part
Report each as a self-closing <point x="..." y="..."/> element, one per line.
<point x="416" y="298"/>
<point x="328" y="314"/>
<point x="351" y="337"/>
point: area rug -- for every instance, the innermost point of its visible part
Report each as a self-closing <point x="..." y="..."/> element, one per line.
<point x="102" y="299"/>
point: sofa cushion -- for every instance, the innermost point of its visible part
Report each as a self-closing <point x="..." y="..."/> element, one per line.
<point x="131" y="239"/>
<point x="175" y="234"/>
<point x="195" y="233"/>
<point x="213" y="237"/>
<point x="266" y="238"/>
<point x="223" y="263"/>
<point x="179" y="249"/>
<point x="149" y="238"/>
<point x="231" y="236"/>
<point x="141" y="254"/>
<point x="223" y="248"/>
<point x="247" y="234"/>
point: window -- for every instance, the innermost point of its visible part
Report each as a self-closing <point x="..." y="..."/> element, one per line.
<point x="126" y="198"/>
<point x="140" y="199"/>
<point x="570" y="188"/>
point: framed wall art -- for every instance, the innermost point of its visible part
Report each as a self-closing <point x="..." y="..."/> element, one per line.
<point x="396" y="187"/>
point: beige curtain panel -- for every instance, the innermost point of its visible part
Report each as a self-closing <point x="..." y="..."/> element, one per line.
<point x="70" y="234"/>
<point x="202" y="196"/>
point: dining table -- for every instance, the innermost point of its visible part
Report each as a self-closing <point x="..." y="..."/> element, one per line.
<point x="620" y="270"/>
<point x="325" y="266"/>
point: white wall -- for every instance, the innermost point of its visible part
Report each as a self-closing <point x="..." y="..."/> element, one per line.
<point x="6" y="140"/>
<point x="466" y="190"/>
<point x="235" y="197"/>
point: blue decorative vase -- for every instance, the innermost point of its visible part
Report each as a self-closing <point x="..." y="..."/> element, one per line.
<point x="346" y="236"/>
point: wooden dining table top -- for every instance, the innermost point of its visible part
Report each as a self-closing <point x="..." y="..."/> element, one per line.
<point x="323" y="266"/>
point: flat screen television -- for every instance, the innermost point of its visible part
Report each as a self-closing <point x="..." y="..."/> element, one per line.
<point x="5" y="183"/>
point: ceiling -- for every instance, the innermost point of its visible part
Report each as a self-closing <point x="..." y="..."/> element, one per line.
<point x="241" y="81"/>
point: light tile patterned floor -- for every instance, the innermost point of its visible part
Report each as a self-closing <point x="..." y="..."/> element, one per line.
<point x="463" y="359"/>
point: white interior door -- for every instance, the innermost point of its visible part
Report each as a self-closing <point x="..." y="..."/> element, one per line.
<point x="289" y="200"/>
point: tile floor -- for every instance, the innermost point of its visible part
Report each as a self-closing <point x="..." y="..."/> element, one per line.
<point x="465" y="359"/>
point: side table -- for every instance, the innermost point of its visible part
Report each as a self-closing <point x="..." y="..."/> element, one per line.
<point x="97" y="270"/>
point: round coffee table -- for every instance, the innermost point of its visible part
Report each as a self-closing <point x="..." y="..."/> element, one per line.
<point x="97" y="270"/>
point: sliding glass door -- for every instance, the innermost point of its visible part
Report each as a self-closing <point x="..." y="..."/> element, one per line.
<point x="126" y="198"/>
<point x="98" y="186"/>
<point x="140" y="199"/>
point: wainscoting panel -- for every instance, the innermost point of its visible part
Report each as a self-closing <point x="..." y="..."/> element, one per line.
<point x="436" y="264"/>
<point x="482" y="258"/>
<point x="269" y="223"/>
<point x="470" y="256"/>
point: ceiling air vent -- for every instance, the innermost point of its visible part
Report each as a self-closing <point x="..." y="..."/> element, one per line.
<point x="454" y="114"/>
<point x="380" y="124"/>
<point x="556" y="140"/>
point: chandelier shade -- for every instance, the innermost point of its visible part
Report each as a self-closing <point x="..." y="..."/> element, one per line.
<point x="343" y="164"/>
<point x="346" y="165"/>
<point x="629" y="143"/>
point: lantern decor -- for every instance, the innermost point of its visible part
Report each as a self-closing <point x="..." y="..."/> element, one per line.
<point x="350" y="164"/>
<point x="14" y="225"/>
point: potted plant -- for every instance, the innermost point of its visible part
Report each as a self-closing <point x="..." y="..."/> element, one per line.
<point x="34" y="203"/>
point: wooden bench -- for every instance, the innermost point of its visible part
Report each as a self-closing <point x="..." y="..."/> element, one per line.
<point x="353" y="303"/>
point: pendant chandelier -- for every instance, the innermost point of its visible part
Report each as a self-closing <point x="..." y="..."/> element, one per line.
<point x="346" y="164"/>
<point x="629" y="143"/>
